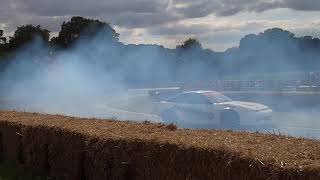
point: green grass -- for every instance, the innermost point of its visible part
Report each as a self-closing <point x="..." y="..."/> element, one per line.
<point x="12" y="172"/>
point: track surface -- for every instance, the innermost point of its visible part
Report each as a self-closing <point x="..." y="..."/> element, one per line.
<point x="301" y="123"/>
<point x="139" y="108"/>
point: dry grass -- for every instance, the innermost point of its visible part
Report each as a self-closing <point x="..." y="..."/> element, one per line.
<point x="172" y="127"/>
<point x="256" y="155"/>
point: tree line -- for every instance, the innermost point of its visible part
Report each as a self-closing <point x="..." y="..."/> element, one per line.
<point x="273" y="50"/>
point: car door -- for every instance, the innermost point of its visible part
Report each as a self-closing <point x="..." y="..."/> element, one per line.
<point x="195" y="110"/>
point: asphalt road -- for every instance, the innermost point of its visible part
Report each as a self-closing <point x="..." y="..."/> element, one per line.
<point x="303" y="123"/>
<point x="299" y="123"/>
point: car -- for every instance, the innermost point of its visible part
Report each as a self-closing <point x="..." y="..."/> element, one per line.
<point x="211" y="109"/>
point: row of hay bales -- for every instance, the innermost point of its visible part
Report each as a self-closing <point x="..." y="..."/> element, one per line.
<point x="86" y="149"/>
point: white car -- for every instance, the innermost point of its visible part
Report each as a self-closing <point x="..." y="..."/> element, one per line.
<point x="210" y="109"/>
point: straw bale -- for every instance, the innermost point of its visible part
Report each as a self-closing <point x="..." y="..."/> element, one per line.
<point x="74" y="148"/>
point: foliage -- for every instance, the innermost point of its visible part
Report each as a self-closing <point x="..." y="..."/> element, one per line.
<point x="82" y="28"/>
<point x="28" y="33"/>
<point x="271" y="51"/>
<point x="2" y="39"/>
<point x="274" y="50"/>
<point x="190" y="43"/>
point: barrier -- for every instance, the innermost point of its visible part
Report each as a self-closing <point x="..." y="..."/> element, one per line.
<point x="88" y="149"/>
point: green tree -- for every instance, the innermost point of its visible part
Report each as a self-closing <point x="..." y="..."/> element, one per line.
<point x="277" y="34"/>
<point x="190" y="43"/>
<point x="2" y="39"/>
<point x="82" y="28"/>
<point x="27" y="33"/>
<point x="2" y="43"/>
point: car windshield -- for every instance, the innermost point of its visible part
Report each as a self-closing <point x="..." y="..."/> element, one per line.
<point x="190" y="98"/>
<point x="217" y="98"/>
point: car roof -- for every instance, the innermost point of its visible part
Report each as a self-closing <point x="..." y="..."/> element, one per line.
<point x="203" y="92"/>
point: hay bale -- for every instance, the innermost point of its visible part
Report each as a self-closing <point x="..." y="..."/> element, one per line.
<point x="12" y="149"/>
<point x="71" y="148"/>
<point x="35" y="144"/>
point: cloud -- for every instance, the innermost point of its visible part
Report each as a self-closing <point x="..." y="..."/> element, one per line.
<point x="201" y="8"/>
<point x="90" y="8"/>
<point x="201" y="26"/>
<point x="129" y="13"/>
<point x="134" y="20"/>
<point x="2" y="26"/>
<point x="143" y="13"/>
<point x="303" y="5"/>
<point x="163" y="21"/>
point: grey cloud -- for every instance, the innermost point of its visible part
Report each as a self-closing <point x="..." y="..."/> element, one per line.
<point x="158" y="17"/>
<point x="132" y="20"/>
<point x="316" y="23"/>
<point x="136" y="13"/>
<point x="200" y="29"/>
<point x="125" y="13"/>
<point x="178" y="30"/>
<point x="90" y="8"/>
<point x="303" y="5"/>
<point x="215" y="37"/>
<point x="201" y="8"/>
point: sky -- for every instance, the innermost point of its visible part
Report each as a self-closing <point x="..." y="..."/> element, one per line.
<point x="217" y="24"/>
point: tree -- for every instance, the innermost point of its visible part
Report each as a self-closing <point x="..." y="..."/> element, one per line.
<point x="190" y="43"/>
<point x="249" y="41"/>
<point x="82" y="28"/>
<point x="2" y="39"/>
<point x="28" y="33"/>
<point x="277" y="34"/>
<point x="2" y="43"/>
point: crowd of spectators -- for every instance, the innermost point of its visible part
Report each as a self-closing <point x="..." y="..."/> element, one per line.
<point x="308" y="82"/>
<point x="247" y="85"/>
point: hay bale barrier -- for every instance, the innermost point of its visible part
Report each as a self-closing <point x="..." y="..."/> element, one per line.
<point x="87" y="149"/>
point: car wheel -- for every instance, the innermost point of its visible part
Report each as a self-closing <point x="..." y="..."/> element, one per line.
<point x="169" y="116"/>
<point x="230" y="120"/>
